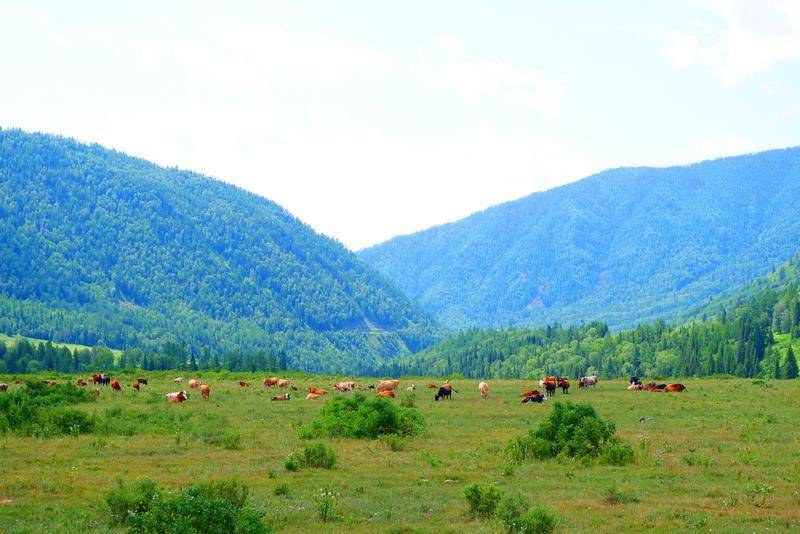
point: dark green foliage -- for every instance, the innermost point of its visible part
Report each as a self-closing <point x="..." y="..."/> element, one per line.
<point x="790" y="365"/>
<point x="365" y="418"/>
<point x="515" y="514"/>
<point x="317" y="456"/>
<point x="207" y="507"/>
<point x="574" y="431"/>
<point x="281" y="490"/>
<point x="482" y="500"/>
<point x="102" y="248"/>
<point x="42" y="410"/>
<point x="623" y="246"/>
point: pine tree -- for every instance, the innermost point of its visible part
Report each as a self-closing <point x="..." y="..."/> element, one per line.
<point x="790" y="366"/>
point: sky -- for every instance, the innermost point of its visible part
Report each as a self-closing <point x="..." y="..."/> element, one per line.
<point x="373" y="119"/>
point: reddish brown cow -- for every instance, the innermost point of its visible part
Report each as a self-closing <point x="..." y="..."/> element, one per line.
<point x="205" y="391"/>
<point x="432" y="386"/>
<point x="270" y="382"/>
<point x="195" y="383"/>
<point x="530" y="393"/>
<point x="283" y="397"/>
<point x="388" y="393"/>
<point x="563" y="383"/>
<point x="136" y="386"/>
<point x="3" y="387"/>
<point x="80" y="382"/>
<point x="312" y="396"/>
<point x="674" y="387"/>
<point x="115" y="385"/>
<point x="317" y="391"/>
<point x="244" y="384"/>
<point x="550" y="384"/>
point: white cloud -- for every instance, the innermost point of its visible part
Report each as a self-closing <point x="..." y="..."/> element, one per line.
<point x="451" y="46"/>
<point x="479" y="78"/>
<point x="750" y="38"/>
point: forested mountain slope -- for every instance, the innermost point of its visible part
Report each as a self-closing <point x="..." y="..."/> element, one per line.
<point x="102" y="248"/>
<point x="623" y="246"/>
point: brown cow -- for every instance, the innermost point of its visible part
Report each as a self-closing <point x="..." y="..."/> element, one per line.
<point x="312" y="396"/>
<point x="388" y="385"/>
<point x="195" y="383"/>
<point x="445" y="392"/>
<point x="344" y="386"/>
<point x="483" y="387"/>
<point x="205" y="391"/>
<point x="3" y="387"/>
<point x="136" y="386"/>
<point x="563" y="383"/>
<point x="178" y="380"/>
<point x="433" y="386"/>
<point x="550" y="384"/>
<point x="141" y="381"/>
<point x="179" y="398"/>
<point x="529" y="393"/>
<point x="80" y="382"/>
<point x="674" y="387"/>
<point x="115" y="385"/>
<point x="284" y="382"/>
<point x="284" y="397"/>
<point x="317" y="391"/>
<point x="244" y="384"/>
<point x="388" y="393"/>
<point x="270" y="382"/>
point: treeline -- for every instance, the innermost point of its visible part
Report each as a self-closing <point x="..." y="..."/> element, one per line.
<point x="752" y="339"/>
<point x="25" y="356"/>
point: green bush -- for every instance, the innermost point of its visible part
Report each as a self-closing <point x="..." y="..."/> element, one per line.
<point x="395" y="443"/>
<point x="215" y="507"/>
<point x="61" y="420"/>
<point x="482" y="500"/>
<point x="617" y="454"/>
<point x="573" y="431"/>
<point x="126" y="502"/>
<point x="282" y="489"/>
<point x="409" y="401"/>
<point x="291" y="463"/>
<point x="318" y="455"/>
<point x="510" y="511"/>
<point x="537" y="520"/>
<point x="364" y="418"/>
<point x="41" y="410"/>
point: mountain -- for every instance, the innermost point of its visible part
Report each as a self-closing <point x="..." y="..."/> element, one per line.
<point x="623" y="246"/>
<point x="102" y="248"/>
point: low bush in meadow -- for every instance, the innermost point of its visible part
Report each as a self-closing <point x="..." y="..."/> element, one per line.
<point x="517" y="516"/>
<point x="364" y="418"/>
<point x="572" y="431"/>
<point x="315" y="456"/>
<point x="207" y="507"/>
<point x="482" y="500"/>
<point x="41" y="410"/>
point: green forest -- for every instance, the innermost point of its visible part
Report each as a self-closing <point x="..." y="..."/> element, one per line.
<point x="752" y="335"/>
<point x="100" y="248"/>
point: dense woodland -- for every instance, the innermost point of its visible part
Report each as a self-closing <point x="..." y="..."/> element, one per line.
<point x="625" y="246"/>
<point x="751" y="337"/>
<point x="99" y="248"/>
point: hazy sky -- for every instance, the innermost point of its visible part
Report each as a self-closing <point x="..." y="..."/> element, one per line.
<point x="371" y="119"/>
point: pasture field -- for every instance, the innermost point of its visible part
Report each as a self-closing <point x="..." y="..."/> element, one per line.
<point x="722" y="456"/>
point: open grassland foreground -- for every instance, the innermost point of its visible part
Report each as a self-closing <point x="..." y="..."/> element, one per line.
<point x="724" y="455"/>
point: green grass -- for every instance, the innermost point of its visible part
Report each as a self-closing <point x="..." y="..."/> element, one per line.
<point x="723" y="456"/>
<point x="13" y="340"/>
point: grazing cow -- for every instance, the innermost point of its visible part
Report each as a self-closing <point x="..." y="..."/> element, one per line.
<point x="141" y="381"/>
<point x="388" y="393"/>
<point x="433" y="386"/>
<point x="412" y="387"/>
<point x="344" y="386"/>
<point x="284" y="382"/>
<point x="205" y="391"/>
<point x="445" y="392"/>
<point x="483" y="387"/>
<point x="550" y="385"/>
<point x="271" y="382"/>
<point x="136" y="386"/>
<point x="587" y="381"/>
<point x="115" y="385"/>
<point x="3" y="387"/>
<point x="243" y="384"/>
<point x="674" y="387"/>
<point x="312" y="396"/>
<point x="80" y="382"/>
<point x="316" y="391"/>
<point x="283" y="397"/>
<point x="101" y="379"/>
<point x="178" y="380"/>
<point x="563" y="383"/>
<point x="529" y="393"/>
<point x="388" y="385"/>
<point x="195" y="383"/>
<point x="534" y="398"/>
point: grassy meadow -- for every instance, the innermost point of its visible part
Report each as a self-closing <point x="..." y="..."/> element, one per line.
<point x="722" y="456"/>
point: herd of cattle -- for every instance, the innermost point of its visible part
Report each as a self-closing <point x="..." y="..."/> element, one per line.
<point x="384" y="388"/>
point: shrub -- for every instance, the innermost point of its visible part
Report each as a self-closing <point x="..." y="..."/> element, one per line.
<point x="395" y="443"/>
<point x="573" y="431"/>
<point x="364" y="418"/>
<point x="208" y="507"/>
<point x="62" y="420"/>
<point x="482" y="500"/>
<point x="231" y="441"/>
<point x="291" y="463"/>
<point x="510" y="511"/>
<point x="326" y="505"/>
<point x="617" y="454"/>
<point x="318" y="455"/>
<point x="537" y="520"/>
<point x="41" y="410"/>
<point x="282" y="489"/>
<point x="125" y="502"/>
<point x="408" y="401"/>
